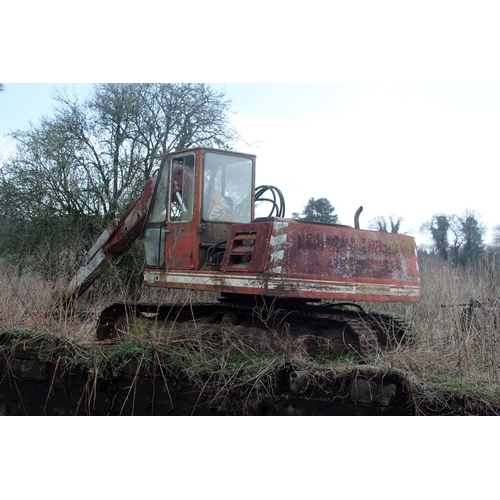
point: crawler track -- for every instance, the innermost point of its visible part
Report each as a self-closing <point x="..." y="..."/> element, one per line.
<point x="327" y="328"/>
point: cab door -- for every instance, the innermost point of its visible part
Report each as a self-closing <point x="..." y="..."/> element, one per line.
<point x="169" y="234"/>
<point x="182" y="224"/>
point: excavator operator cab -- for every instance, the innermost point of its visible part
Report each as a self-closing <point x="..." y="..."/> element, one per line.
<point x="198" y="195"/>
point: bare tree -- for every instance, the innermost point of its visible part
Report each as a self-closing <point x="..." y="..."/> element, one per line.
<point x="439" y="228"/>
<point x="457" y="239"/>
<point x="379" y="223"/>
<point x="496" y="235"/>
<point x="92" y="157"/>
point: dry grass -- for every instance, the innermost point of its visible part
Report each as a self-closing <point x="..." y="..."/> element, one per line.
<point x="456" y="349"/>
<point x="27" y="303"/>
<point x="451" y="354"/>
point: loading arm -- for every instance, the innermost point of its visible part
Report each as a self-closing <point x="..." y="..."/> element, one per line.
<point x="114" y="241"/>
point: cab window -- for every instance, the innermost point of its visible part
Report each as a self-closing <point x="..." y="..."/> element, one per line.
<point x="227" y="188"/>
<point x="181" y="189"/>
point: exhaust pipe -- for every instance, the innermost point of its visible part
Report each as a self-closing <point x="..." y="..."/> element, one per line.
<point x="356" y="217"/>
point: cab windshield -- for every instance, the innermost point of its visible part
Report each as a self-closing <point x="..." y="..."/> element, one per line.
<point x="227" y="188"/>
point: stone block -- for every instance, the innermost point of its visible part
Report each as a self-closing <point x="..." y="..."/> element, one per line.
<point x="363" y="391"/>
<point x="387" y="394"/>
<point x="29" y="370"/>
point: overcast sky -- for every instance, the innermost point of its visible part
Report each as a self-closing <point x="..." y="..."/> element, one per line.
<point x="405" y="150"/>
<point x="408" y="149"/>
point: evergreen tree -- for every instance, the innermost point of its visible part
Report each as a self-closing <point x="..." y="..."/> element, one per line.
<point x="320" y="210"/>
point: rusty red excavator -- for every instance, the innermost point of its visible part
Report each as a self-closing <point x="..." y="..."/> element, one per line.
<point x="279" y="279"/>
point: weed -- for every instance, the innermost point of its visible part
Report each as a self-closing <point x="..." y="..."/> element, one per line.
<point x="324" y="358"/>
